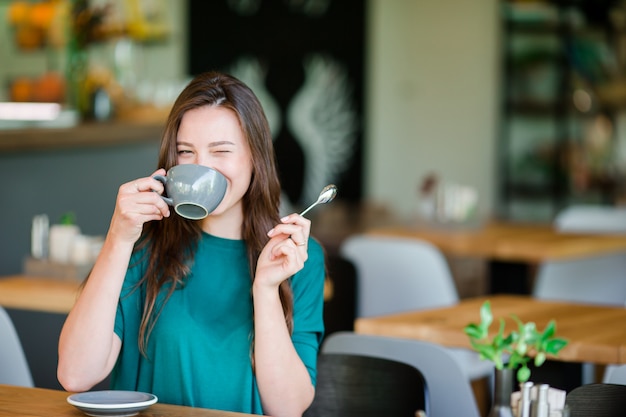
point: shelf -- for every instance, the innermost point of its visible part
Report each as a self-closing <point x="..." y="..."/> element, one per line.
<point x="550" y="50"/>
<point x="93" y="134"/>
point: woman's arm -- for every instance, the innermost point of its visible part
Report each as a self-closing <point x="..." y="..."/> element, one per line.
<point x="284" y="383"/>
<point x="88" y="346"/>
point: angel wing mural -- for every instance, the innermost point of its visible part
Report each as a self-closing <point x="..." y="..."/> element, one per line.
<point x="307" y="71"/>
<point x="323" y="122"/>
<point x="320" y="116"/>
<point x="251" y="71"/>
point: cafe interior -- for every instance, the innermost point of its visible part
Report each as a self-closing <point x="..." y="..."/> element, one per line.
<point x="478" y="150"/>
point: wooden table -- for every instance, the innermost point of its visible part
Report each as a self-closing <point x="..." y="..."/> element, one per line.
<point x="55" y="295"/>
<point x="512" y="242"/>
<point x="596" y="334"/>
<point x="36" y="402"/>
<point x="512" y="249"/>
<point x="42" y="294"/>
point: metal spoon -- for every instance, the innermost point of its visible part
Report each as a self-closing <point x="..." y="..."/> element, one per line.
<point x="326" y="196"/>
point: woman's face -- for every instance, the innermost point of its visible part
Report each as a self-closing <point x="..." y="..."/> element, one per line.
<point x="212" y="136"/>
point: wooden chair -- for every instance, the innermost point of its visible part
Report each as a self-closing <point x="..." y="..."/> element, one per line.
<point x="350" y="385"/>
<point x="14" y="369"/>
<point x="597" y="400"/>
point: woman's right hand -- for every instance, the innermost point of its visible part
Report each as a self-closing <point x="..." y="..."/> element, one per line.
<point x="138" y="203"/>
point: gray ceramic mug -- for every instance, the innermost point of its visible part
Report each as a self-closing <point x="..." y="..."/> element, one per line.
<point x="193" y="190"/>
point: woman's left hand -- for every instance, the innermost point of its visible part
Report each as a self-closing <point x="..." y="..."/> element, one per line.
<point x="285" y="252"/>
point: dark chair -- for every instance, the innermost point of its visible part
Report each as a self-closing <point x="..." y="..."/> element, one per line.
<point x="365" y="386"/>
<point x="449" y="392"/>
<point x="340" y="308"/>
<point x="597" y="400"/>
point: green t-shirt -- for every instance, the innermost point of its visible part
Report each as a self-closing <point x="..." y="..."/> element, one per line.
<point x="199" y="351"/>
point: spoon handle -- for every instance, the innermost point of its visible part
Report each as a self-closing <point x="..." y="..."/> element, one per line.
<point x="308" y="208"/>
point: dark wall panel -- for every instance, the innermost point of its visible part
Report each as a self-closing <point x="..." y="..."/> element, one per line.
<point x="305" y="60"/>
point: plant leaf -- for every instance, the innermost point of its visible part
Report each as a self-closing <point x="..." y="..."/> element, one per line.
<point x="549" y="330"/>
<point x="553" y="346"/>
<point x="486" y="317"/>
<point x="523" y="374"/>
<point x="474" y="331"/>
<point x="540" y="359"/>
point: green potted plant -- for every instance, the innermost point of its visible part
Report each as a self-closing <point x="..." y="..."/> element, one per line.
<point x="511" y="352"/>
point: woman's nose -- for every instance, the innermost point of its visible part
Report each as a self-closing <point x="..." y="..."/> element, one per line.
<point x="200" y="160"/>
<point x="203" y="160"/>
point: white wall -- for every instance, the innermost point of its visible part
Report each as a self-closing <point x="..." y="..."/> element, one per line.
<point x="432" y="97"/>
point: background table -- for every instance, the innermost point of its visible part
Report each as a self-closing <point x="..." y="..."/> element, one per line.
<point x="512" y="249"/>
<point x="42" y="294"/>
<point x="596" y="334"/>
<point x="512" y="242"/>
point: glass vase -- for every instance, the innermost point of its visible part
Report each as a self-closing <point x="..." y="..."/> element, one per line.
<point x="502" y="389"/>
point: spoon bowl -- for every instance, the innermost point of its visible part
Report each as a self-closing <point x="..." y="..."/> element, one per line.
<point x="327" y="195"/>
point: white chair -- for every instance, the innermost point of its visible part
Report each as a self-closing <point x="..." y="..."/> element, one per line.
<point x="615" y="374"/>
<point x="402" y="274"/>
<point x="14" y="369"/>
<point x="449" y="391"/>
<point x="593" y="280"/>
<point x="585" y="218"/>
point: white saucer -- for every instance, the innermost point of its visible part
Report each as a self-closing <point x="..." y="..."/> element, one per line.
<point x="112" y="402"/>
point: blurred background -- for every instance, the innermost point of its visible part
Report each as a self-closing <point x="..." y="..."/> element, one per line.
<point x="517" y="103"/>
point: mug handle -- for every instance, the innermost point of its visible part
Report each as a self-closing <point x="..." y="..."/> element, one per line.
<point x="163" y="179"/>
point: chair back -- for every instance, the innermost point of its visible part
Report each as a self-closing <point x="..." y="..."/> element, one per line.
<point x="398" y="274"/>
<point x="449" y="391"/>
<point x="593" y="280"/>
<point x="339" y="294"/>
<point x="592" y="219"/>
<point x="14" y="369"/>
<point x="615" y="374"/>
<point x="597" y="400"/>
<point x="350" y="385"/>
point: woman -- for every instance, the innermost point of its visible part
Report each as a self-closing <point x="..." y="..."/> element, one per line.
<point x="224" y="312"/>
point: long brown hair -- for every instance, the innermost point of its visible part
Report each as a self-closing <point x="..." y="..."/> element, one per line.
<point x="172" y="241"/>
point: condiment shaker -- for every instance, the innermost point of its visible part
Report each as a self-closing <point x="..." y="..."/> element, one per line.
<point x="541" y="407"/>
<point x="525" y="399"/>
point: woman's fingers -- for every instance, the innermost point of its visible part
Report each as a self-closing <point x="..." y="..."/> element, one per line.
<point x="146" y="184"/>
<point x="303" y="243"/>
<point x="286" y="251"/>
<point x="294" y="226"/>
<point x="279" y="260"/>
